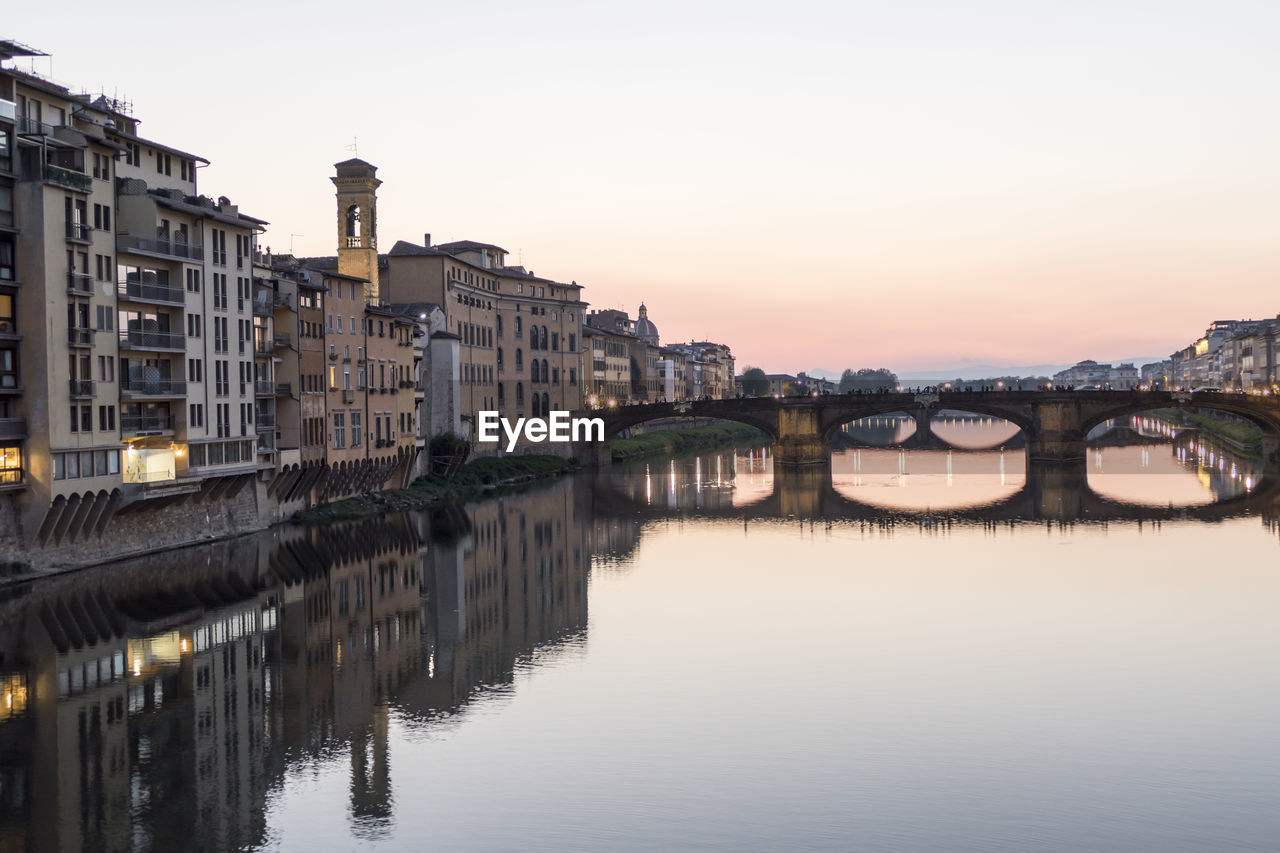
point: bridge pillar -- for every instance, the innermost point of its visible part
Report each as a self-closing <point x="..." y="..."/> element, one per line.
<point x="800" y="441"/>
<point x="1056" y="434"/>
<point x="1057" y="488"/>
<point x="799" y="490"/>
<point x="924" y="429"/>
<point x="1270" y="453"/>
<point x="593" y="454"/>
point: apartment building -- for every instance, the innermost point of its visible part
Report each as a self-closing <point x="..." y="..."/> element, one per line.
<point x="519" y="334"/>
<point x="126" y="368"/>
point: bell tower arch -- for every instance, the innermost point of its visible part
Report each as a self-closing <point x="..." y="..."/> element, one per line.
<point x="357" y="184"/>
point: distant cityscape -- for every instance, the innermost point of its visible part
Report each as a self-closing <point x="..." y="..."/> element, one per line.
<point x="1231" y="355"/>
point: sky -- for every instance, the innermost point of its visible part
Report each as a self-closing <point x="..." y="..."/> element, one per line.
<point x="819" y="185"/>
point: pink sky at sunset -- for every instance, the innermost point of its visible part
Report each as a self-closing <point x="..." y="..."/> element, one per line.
<point x="818" y="185"/>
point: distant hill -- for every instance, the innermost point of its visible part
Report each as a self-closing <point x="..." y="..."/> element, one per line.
<point x="982" y="371"/>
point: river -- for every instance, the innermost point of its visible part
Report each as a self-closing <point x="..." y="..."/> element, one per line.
<point x="935" y="649"/>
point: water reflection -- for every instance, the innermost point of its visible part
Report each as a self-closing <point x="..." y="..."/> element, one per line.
<point x="156" y="704"/>
<point x="1156" y="463"/>
<point x="303" y="681"/>
<point x="926" y="480"/>
<point x="1137" y="470"/>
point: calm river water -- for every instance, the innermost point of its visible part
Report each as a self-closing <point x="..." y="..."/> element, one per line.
<point x="920" y="650"/>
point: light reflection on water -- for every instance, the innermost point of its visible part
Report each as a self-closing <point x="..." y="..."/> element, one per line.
<point x="648" y="659"/>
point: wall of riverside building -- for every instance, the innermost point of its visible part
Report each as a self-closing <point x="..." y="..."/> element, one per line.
<point x="139" y="528"/>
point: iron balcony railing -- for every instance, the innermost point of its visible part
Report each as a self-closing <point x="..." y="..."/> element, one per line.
<point x="264" y="346"/>
<point x="166" y="246"/>
<point x="265" y="420"/>
<point x="348" y="396"/>
<point x="78" y="231"/>
<point x="143" y="292"/>
<point x="145" y="423"/>
<point x="11" y="428"/>
<point x="283" y="300"/>
<point x="82" y="388"/>
<point x="142" y="339"/>
<point x="264" y="388"/>
<point x="153" y="387"/>
<point x="79" y="284"/>
<point x="284" y="389"/>
<point x="261" y="308"/>
<point x="78" y="337"/>
<point x="283" y="339"/>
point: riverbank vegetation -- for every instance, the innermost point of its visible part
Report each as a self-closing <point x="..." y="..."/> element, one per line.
<point x="477" y="479"/>
<point x="1242" y="435"/>
<point x="671" y="441"/>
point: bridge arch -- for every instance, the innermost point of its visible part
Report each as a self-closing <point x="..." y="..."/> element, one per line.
<point x="625" y="417"/>
<point x="860" y="407"/>
<point x="1267" y="419"/>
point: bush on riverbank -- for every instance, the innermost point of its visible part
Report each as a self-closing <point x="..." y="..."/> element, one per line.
<point x="476" y="478"/>
<point x="1245" y="435"/>
<point x="669" y="441"/>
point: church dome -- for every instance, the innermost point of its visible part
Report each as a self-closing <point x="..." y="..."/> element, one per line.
<point x="645" y="329"/>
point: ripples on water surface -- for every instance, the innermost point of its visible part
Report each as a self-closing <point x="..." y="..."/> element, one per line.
<point x="929" y="651"/>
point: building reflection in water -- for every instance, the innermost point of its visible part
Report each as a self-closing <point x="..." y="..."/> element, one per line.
<point x="155" y="704"/>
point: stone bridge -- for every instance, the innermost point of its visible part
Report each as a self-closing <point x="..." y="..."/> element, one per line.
<point x="1054" y="423"/>
<point x="1051" y="493"/>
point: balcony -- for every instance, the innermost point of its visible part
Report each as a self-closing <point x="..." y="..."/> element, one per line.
<point x="80" y="337"/>
<point x="261" y="308"/>
<point x="79" y="231"/>
<point x="163" y="247"/>
<point x="264" y="388"/>
<point x="348" y="396"/>
<point x="284" y="389"/>
<point x="140" y="291"/>
<point x="79" y="284"/>
<point x="263" y="346"/>
<point x="283" y="340"/>
<point x="153" y="387"/>
<point x="148" y="340"/>
<point x="27" y="126"/>
<point x="69" y="179"/>
<point x="265" y="420"/>
<point x="283" y="300"/>
<point x="82" y="388"/>
<point x="145" y="423"/>
<point x="12" y="429"/>
<point x="8" y="109"/>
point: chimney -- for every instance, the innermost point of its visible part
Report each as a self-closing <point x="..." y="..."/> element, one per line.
<point x="426" y="240"/>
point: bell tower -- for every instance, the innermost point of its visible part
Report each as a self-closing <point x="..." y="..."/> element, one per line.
<point x="357" y="184"/>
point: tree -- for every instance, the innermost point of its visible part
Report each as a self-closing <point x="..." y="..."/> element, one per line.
<point x="867" y="379"/>
<point x="755" y="383"/>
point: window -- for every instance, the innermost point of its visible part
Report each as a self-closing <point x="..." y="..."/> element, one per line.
<point x="9" y="377"/>
<point x="339" y="430"/>
<point x="519" y="360"/>
<point x="8" y="258"/>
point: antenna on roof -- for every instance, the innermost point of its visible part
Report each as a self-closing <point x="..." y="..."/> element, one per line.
<point x="291" y="236"/>
<point x="354" y="147"/>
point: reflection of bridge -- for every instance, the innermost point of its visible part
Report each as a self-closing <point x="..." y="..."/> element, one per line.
<point x="1052" y="493"/>
<point x="1054" y="423"/>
